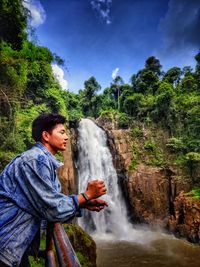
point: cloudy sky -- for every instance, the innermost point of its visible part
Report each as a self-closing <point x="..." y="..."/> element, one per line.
<point x="105" y="38"/>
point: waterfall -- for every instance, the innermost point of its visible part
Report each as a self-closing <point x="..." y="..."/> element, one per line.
<point x="95" y="162"/>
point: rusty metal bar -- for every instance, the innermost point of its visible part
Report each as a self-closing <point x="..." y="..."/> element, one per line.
<point x="50" y="255"/>
<point x="64" y="250"/>
<point x="49" y="237"/>
<point x="65" y="255"/>
<point x="50" y="259"/>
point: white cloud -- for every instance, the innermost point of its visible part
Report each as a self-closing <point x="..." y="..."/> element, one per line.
<point x="37" y="12"/>
<point x="59" y="76"/>
<point x="115" y="73"/>
<point x="103" y="8"/>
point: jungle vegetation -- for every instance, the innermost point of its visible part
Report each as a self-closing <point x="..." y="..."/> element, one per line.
<point x="169" y="99"/>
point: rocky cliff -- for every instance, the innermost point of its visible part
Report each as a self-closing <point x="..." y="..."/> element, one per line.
<point x="153" y="188"/>
<point x="186" y="220"/>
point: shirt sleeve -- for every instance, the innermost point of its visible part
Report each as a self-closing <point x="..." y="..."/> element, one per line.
<point x="42" y="196"/>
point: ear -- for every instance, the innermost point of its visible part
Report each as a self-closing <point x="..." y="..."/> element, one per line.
<point x="45" y="136"/>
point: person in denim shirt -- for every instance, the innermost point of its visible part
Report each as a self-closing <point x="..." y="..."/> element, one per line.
<point x="30" y="192"/>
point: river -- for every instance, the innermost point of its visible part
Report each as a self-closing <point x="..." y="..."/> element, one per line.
<point x="161" y="252"/>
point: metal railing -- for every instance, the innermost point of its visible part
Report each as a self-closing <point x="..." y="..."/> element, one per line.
<point x="59" y="251"/>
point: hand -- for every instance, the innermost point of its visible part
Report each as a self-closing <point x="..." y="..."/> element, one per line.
<point x="95" y="189"/>
<point x="96" y="205"/>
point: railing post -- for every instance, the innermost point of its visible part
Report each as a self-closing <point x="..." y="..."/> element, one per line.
<point x="64" y="250"/>
<point x="50" y="260"/>
<point x="57" y="239"/>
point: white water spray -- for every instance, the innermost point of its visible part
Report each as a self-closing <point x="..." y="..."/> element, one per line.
<point x="95" y="162"/>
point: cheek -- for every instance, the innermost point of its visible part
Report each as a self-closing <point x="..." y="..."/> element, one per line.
<point x="56" y="140"/>
<point x="59" y="139"/>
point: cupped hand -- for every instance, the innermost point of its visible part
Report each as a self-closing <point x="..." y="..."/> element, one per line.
<point x="96" y="205"/>
<point x="95" y="189"/>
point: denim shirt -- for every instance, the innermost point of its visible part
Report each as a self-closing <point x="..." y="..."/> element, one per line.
<point x="30" y="193"/>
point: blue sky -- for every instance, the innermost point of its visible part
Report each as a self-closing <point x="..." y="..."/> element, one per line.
<point x="98" y="37"/>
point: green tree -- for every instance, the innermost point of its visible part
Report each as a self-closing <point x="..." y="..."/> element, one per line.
<point x="133" y="81"/>
<point x="13" y="22"/>
<point x="74" y="106"/>
<point x="89" y="98"/>
<point x="187" y="70"/>
<point x="192" y="161"/>
<point x="188" y="84"/>
<point x="153" y="64"/>
<point x="116" y="90"/>
<point x="173" y="76"/>
<point x="126" y="90"/>
<point x="197" y="70"/>
<point x="164" y="110"/>
<point x="133" y="104"/>
<point x="107" y="100"/>
<point x="147" y="80"/>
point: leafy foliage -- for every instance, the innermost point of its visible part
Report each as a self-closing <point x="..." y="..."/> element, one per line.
<point x="196" y="193"/>
<point x="170" y="100"/>
<point x="90" y="100"/>
<point x="27" y="85"/>
<point x="13" y="22"/>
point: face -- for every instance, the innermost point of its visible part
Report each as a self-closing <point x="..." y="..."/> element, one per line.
<point x="56" y="140"/>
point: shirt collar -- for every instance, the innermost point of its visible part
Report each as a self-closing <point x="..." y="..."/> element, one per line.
<point x="56" y="163"/>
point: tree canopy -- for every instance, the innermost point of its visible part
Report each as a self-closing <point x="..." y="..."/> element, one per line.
<point x="170" y="99"/>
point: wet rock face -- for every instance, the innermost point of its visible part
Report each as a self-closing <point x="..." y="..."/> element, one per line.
<point x="119" y="143"/>
<point x="154" y="194"/>
<point x="148" y="190"/>
<point x="186" y="220"/>
<point x="67" y="172"/>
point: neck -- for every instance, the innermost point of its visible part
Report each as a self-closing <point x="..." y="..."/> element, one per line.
<point x="51" y="149"/>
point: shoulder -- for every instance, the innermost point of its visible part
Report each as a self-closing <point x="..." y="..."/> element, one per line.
<point x="35" y="154"/>
<point x="39" y="155"/>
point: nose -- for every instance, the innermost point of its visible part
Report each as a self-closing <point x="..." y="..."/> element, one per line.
<point x="66" y="137"/>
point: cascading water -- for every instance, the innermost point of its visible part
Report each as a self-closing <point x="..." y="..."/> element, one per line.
<point x="95" y="162"/>
<point x="118" y="242"/>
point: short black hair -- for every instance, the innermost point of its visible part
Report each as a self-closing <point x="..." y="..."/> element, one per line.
<point x="45" y="122"/>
